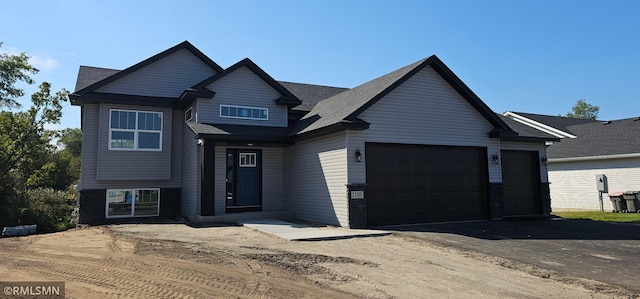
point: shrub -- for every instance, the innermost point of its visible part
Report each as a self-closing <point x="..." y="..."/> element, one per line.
<point x="50" y="209"/>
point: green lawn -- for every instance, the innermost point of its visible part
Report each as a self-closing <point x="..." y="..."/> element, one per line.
<point x="600" y="216"/>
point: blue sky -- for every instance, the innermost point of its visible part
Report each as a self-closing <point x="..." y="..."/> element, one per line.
<point x="530" y="56"/>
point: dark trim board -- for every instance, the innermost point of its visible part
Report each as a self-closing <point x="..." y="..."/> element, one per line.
<point x="207" y="185"/>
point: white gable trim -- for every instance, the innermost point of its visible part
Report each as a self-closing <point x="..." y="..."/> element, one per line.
<point x="591" y="158"/>
<point x="538" y="125"/>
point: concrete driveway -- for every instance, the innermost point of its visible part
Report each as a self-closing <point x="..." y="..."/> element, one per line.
<point x="606" y="252"/>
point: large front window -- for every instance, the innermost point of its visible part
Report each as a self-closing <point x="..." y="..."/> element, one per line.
<point x="132" y="202"/>
<point x="135" y="130"/>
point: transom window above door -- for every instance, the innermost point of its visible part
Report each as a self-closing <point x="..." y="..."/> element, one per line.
<point x="135" y="130"/>
<point x="230" y="111"/>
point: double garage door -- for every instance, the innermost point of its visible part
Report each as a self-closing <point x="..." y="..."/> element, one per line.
<point x="419" y="183"/>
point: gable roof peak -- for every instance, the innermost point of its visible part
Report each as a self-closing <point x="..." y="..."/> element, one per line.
<point x="183" y="45"/>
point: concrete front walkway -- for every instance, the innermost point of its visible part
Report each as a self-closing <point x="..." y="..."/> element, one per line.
<point x="300" y="232"/>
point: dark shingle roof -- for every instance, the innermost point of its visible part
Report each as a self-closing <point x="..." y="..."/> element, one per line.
<point x="526" y="131"/>
<point x="559" y="122"/>
<point x="311" y="94"/>
<point x="599" y="139"/>
<point x="88" y="75"/>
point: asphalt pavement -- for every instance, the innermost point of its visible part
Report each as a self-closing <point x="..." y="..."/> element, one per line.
<point x="601" y="251"/>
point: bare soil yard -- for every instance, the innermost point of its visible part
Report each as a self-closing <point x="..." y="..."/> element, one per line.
<point x="178" y="261"/>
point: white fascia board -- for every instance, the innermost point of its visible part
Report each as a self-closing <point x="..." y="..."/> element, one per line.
<point x="539" y="126"/>
<point x="592" y="158"/>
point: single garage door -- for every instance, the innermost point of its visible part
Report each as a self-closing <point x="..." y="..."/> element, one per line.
<point x="418" y="183"/>
<point x="521" y="182"/>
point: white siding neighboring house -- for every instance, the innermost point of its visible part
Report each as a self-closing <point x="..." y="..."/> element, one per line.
<point x="178" y="135"/>
<point x="588" y="148"/>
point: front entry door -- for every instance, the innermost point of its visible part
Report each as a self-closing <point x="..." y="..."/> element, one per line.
<point x="244" y="180"/>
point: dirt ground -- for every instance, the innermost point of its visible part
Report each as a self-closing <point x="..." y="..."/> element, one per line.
<point x="178" y="261"/>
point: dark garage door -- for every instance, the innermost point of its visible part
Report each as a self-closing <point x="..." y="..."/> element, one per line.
<point x="521" y="181"/>
<point x="418" y="183"/>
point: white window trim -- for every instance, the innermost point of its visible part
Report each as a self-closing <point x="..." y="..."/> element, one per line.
<point x="135" y="132"/>
<point x="190" y="109"/>
<point x="245" y="107"/>
<point x="253" y="157"/>
<point x="133" y="204"/>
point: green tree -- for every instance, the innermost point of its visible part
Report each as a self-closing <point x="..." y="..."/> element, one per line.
<point x="584" y="110"/>
<point x="34" y="175"/>
<point x="14" y="69"/>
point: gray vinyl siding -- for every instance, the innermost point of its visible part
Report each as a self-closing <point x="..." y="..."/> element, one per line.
<point x="272" y="178"/>
<point x="573" y="184"/>
<point x="242" y="88"/>
<point x="534" y="147"/>
<point x="168" y="77"/>
<point x="134" y="165"/>
<point x="104" y="169"/>
<point x="315" y="175"/>
<point x="425" y="109"/>
<point x="190" y="174"/>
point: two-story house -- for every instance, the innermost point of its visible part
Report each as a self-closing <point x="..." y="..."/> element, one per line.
<point x="177" y="134"/>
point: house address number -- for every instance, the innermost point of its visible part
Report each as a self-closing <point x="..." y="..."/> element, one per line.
<point x="359" y="194"/>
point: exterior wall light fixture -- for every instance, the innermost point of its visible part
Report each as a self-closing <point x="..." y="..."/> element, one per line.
<point x="495" y="158"/>
<point x="358" y="156"/>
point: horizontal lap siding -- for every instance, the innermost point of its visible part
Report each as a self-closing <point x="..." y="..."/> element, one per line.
<point x="540" y="148"/>
<point x="423" y="110"/>
<point x="134" y="165"/>
<point x="573" y="184"/>
<point x="168" y="77"/>
<point x="242" y="88"/>
<point x="315" y="179"/>
<point x="190" y="173"/>
<point x="103" y="169"/>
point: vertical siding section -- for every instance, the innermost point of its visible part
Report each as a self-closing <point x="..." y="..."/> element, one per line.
<point x="168" y="77"/>
<point x="423" y="110"/>
<point x="242" y="88"/>
<point x="190" y="173"/>
<point x="315" y="179"/>
<point x="534" y="147"/>
<point x="272" y="178"/>
<point x="573" y="184"/>
<point x="134" y="165"/>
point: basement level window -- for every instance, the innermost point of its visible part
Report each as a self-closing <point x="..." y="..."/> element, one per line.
<point x="230" y="111"/>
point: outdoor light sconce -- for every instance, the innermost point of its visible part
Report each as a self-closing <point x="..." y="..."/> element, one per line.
<point x="544" y="160"/>
<point x="495" y="158"/>
<point x="358" y="156"/>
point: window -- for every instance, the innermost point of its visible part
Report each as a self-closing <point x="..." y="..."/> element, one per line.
<point x="247" y="159"/>
<point x="135" y="130"/>
<point x="132" y="203"/>
<point x="188" y="115"/>
<point x="229" y="111"/>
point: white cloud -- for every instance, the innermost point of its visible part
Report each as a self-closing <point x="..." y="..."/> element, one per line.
<point x="43" y="63"/>
<point x="40" y="62"/>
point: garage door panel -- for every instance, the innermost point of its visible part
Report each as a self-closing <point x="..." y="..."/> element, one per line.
<point x="418" y="183"/>
<point x="521" y="183"/>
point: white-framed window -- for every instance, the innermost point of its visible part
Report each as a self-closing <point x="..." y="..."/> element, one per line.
<point x="135" y="130"/>
<point x="230" y="111"/>
<point x="132" y="203"/>
<point x="247" y="160"/>
<point x="188" y="114"/>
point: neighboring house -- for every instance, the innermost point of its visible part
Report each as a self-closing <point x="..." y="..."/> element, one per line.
<point x="588" y="148"/>
<point x="176" y="134"/>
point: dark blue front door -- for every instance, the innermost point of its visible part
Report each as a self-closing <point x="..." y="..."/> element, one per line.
<point x="244" y="180"/>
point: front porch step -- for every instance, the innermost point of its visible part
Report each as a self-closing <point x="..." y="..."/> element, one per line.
<point x="235" y="217"/>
